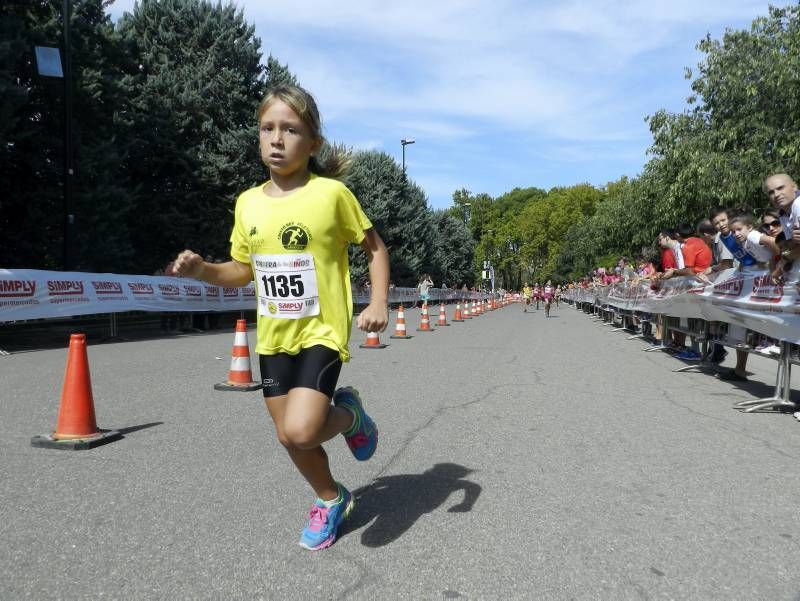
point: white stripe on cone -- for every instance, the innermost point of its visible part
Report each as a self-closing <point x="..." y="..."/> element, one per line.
<point x="240" y="364"/>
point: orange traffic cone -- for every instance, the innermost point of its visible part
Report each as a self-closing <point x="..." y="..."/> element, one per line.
<point x="373" y="341"/>
<point x="240" y="376"/>
<point x="475" y="310"/>
<point x="400" y="327"/>
<point x="76" y="428"/>
<point x="457" y="317"/>
<point x="442" y="316"/>
<point x="467" y="314"/>
<point x="424" y="323"/>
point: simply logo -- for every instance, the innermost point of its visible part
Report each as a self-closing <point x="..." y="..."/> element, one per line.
<point x="17" y="288"/>
<point x="64" y="287"/>
<point x="295" y="236"/>
<point x="105" y="287"/>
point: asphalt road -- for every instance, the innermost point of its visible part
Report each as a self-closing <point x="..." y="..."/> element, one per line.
<point x="520" y="458"/>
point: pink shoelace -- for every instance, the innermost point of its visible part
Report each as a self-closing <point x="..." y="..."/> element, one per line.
<point x="357" y="440"/>
<point x="317" y="518"/>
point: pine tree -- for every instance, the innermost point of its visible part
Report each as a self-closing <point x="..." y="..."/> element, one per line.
<point x="193" y="94"/>
<point x="32" y="139"/>
<point x="399" y="211"/>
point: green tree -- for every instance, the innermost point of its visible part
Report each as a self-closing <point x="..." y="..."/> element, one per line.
<point x="741" y="124"/>
<point x="278" y="74"/>
<point x="193" y="90"/>
<point x="31" y="140"/>
<point x="399" y="211"/>
<point x="453" y="250"/>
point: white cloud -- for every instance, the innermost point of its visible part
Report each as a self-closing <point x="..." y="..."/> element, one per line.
<point x="570" y="79"/>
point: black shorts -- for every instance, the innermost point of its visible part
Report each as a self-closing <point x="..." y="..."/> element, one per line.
<point x="316" y="367"/>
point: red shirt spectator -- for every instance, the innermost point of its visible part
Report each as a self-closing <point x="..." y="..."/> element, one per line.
<point x="668" y="259"/>
<point x="696" y="254"/>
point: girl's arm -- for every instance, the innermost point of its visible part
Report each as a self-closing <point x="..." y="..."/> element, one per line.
<point x="375" y="317"/>
<point x="232" y="274"/>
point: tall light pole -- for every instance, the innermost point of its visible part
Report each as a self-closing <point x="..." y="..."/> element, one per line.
<point x="487" y="263"/>
<point x="405" y="142"/>
<point x="69" y="217"/>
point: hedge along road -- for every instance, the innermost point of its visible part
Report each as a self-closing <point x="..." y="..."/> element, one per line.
<point x="520" y="457"/>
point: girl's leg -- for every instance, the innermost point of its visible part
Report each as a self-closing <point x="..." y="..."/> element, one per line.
<point x="304" y="419"/>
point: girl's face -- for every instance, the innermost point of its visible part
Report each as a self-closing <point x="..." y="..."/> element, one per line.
<point x="285" y="140"/>
<point x="740" y="231"/>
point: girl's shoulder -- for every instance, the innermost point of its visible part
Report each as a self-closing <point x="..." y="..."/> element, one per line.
<point x="254" y="191"/>
<point x="328" y="183"/>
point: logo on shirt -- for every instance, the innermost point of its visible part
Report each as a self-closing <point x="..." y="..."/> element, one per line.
<point x="253" y="231"/>
<point x="295" y="236"/>
<point x="272" y="308"/>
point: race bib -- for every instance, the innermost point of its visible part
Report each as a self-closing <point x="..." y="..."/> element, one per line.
<point x="287" y="285"/>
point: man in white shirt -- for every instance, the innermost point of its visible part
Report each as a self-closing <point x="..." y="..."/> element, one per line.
<point x="782" y="192"/>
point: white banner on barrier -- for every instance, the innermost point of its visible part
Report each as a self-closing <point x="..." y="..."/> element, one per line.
<point x="34" y="294"/>
<point x="746" y="298"/>
<point x="37" y="294"/>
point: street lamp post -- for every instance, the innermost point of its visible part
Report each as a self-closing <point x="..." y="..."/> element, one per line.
<point x="405" y="142"/>
<point x="487" y="263"/>
<point x="466" y="207"/>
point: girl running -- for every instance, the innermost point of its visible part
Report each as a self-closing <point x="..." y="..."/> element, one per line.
<point x="547" y="294"/>
<point x="291" y="235"/>
<point x="527" y="291"/>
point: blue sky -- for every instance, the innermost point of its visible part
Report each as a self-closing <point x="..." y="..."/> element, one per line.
<point x="498" y="94"/>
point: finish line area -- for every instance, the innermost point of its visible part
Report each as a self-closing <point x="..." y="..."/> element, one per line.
<point x="519" y="458"/>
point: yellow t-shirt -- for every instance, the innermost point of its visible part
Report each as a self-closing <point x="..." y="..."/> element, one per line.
<point x="304" y="298"/>
<point x="527" y="292"/>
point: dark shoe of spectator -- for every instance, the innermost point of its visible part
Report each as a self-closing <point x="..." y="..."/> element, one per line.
<point x="731" y="376"/>
<point x="718" y="356"/>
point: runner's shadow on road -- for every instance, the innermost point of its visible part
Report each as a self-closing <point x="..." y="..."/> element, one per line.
<point x="395" y="503"/>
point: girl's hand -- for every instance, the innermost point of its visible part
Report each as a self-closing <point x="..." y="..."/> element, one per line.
<point x="188" y="264"/>
<point x="374" y="318"/>
<point x="777" y="273"/>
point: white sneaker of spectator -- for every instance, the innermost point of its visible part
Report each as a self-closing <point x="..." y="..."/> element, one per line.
<point x="773" y="349"/>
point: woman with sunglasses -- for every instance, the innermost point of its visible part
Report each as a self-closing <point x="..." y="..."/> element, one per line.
<point x="771" y="226"/>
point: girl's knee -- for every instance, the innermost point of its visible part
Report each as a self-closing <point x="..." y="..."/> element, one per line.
<point x="301" y="436"/>
<point x="283" y="439"/>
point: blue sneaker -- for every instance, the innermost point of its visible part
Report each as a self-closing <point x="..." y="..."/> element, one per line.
<point x="362" y="437"/>
<point x="689" y="355"/>
<point x="324" y="522"/>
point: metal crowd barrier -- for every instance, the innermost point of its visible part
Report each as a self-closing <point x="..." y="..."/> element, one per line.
<point x="707" y="334"/>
